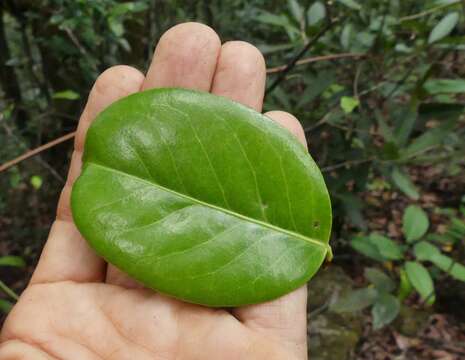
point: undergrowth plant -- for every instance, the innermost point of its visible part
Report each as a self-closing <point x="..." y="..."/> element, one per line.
<point x="417" y="262"/>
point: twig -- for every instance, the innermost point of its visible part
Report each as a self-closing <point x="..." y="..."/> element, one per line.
<point x="356" y="79"/>
<point x="319" y="310"/>
<point x="7" y="290"/>
<point x="36" y="151"/>
<point x="75" y="40"/>
<point x="427" y="12"/>
<point x="346" y="163"/>
<point x="316" y="59"/>
<point x="296" y="58"/>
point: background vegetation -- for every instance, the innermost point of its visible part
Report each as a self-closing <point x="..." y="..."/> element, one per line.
<point x="378" y="86"/>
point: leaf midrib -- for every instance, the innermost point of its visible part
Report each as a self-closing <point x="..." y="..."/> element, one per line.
<point x="227" y="211"/>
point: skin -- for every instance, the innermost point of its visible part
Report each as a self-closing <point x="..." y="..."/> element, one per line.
<point x="78" y="307"/>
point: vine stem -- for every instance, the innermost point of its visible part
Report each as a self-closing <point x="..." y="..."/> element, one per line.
<point x="316" y="59"/>
<point x="8" y="291"/>
<point x="36" y="151"/>
<point x="429" y="11"/>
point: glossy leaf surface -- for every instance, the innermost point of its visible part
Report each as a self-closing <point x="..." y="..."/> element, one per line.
<point x="201" y="198"/>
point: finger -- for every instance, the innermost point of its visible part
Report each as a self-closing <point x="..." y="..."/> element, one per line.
<point x="289" y="122"/>
<point x="66" y="255"/>
<point x="240" y="74"/>
<point x="185" y="57"/>
<point x="284" y="318"/>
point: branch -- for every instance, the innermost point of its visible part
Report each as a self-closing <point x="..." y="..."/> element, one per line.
<point x="8" y="291"/>
<point x="75" y="40"/>
<point x="315" y="59"/>
<point x="36" y="151"/>
<point x="296" y="58"/>
<point x="346" y="163"/>
<point x="429" y="11"/>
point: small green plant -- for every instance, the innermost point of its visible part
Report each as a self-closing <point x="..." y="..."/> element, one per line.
<point x="379" y="295"/>
<point x="15" y="261"/>
<point x="417" y="250"/>
<point x="416" y="258"/>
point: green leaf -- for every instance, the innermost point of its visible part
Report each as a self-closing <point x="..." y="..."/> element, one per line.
<point x="278" y="20"/>
<point x="116" y="26"/>
<point x="449" y="266"/>
<point x="404" y="183"/>
<point x="364" y="246"/>
<point x="201" y="198"/>
<point x="405" y="286"/>
<point x="9" y="260"/>
<point x="316" y="85"/>
<point x="386" y="247"/>
<point x="36" y="182"/>
<point x="266" y="49"/>
<point x="346" y="36"/>
<point x="444" y="27"/>
<point x="377" y="247"/>
<point x="5" y="306"/>
<point x="406" y="117"/>
<point x="445" y="86"/>
<point x="385" y="310"/>
<point x="352" y="4"/>
<point x="430" y="138"/>
<point x="66" y="95"/>
<point x="355" y="300"/>
<point x="296" y="10"/>
<point x="421" y="280"/>
<point x="348" y="104"/>
<point x="272" y="19"/>
<point x="415" y="223"/>
<point x="15" y="177"/>
<point x="380" y="280"/>
<point x="316" y="13"/>
<point x="121" y="9"/>
<point x="425" y="251"/>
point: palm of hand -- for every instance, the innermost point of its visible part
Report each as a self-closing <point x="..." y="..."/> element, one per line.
<point x="77" y="307"/>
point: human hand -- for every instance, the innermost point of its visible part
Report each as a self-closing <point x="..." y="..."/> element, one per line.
<point x="78" y="307"/>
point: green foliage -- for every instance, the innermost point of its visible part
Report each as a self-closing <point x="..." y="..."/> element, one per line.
<point x="356" y="300"/>
<point x="384" y="306"/>
<point x="66" y="95"/>
<point x="444" y="27"/>
<point x="385" y="310"/>
<point x="403" y="182"/>
<point x="377" y="247"/>
<point x="316" y="13"/>
<point x="348" y="104"/>
<point x="9" y="260"/>
<point x="445" y="86"/>
<point x="413" y="275"/>
<point x="14" y="261"/>
<point x="372" y="120"/>
<point x="421" y="280"/>
<point x="415" y="223"/>
<point x="36" y="182"/>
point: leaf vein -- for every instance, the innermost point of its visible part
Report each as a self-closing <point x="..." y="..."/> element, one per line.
<point x="214" y="207"/>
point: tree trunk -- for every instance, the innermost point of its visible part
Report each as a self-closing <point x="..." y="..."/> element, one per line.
<point x="8" y="79"/>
